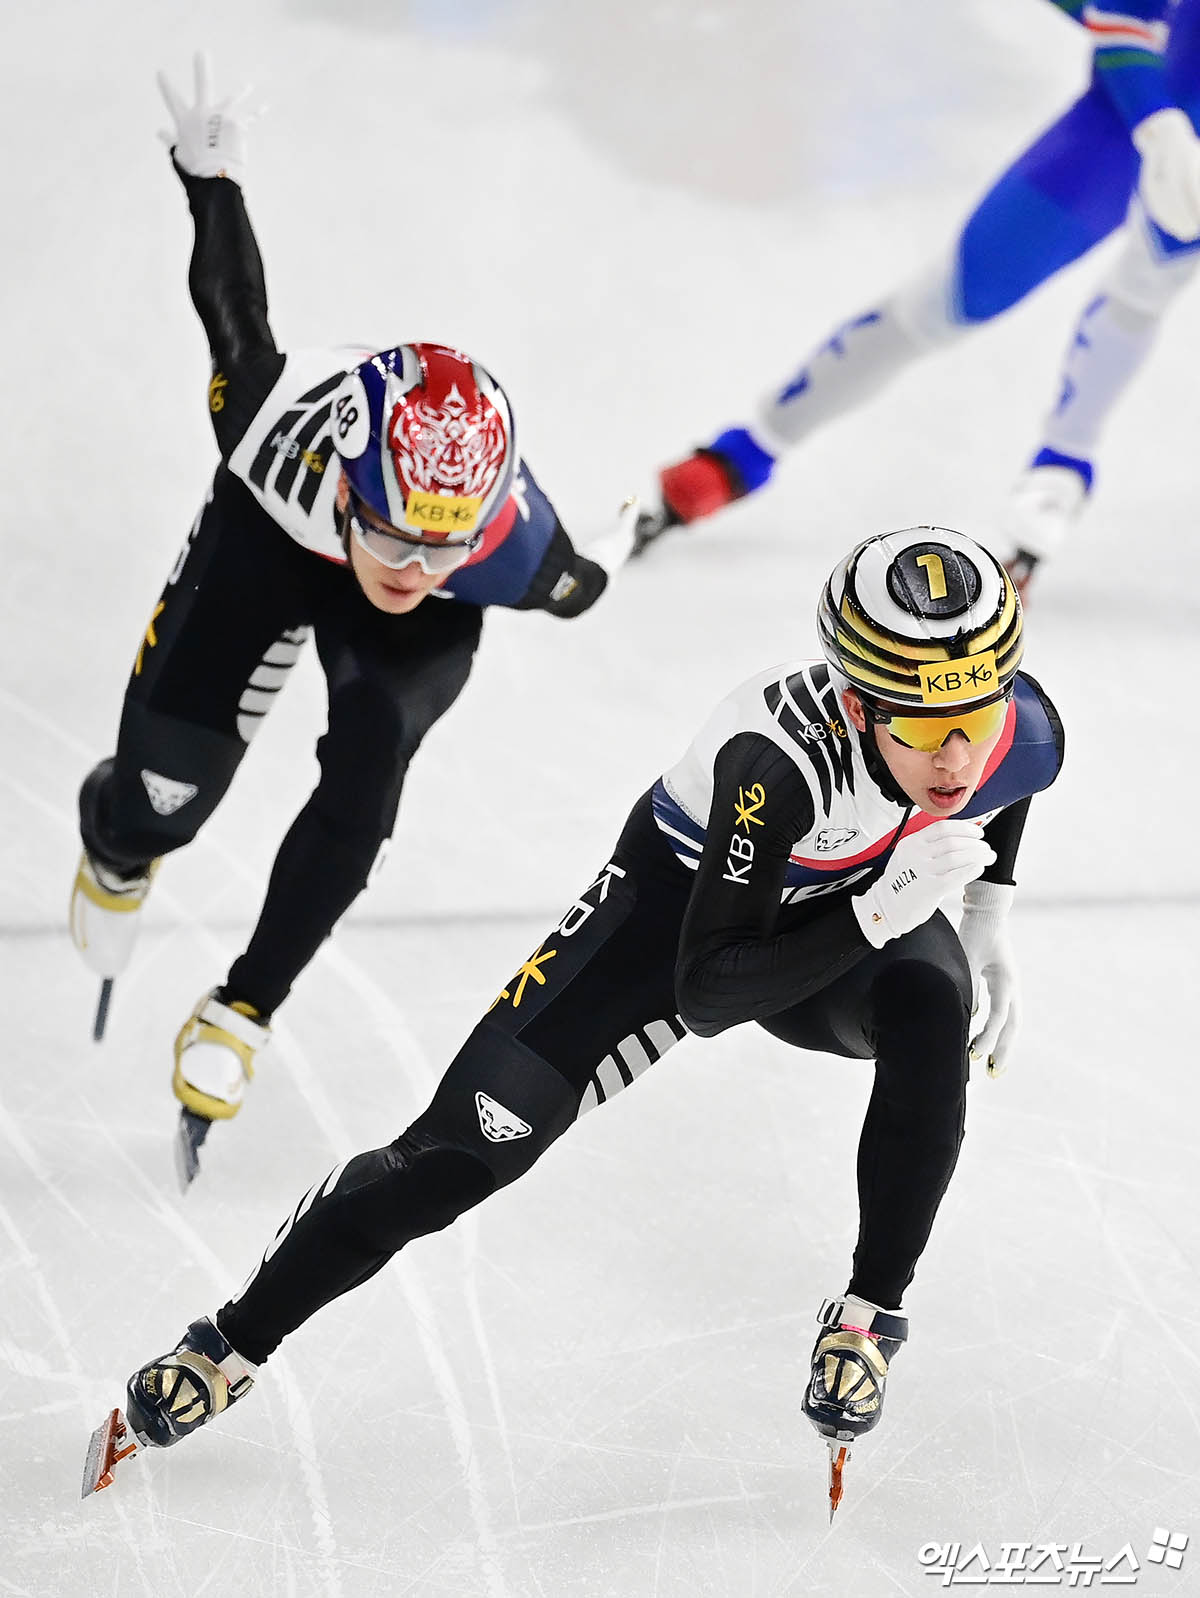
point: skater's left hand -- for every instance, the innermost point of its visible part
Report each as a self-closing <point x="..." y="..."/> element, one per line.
<point x="1170" y="179"/>
<point x="209" y="137"/>
<point x="984" y="936"/>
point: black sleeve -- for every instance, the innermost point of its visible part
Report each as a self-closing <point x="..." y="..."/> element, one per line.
<point x="1003" y="832"/>
<point x="734" y="964"/>
<point x="229" y="292"/>
<point x="566" y="584"/>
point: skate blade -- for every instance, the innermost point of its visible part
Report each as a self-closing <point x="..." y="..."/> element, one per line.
<point x="189" y="1135"/>
<point x="838" y="1455"/>
<point x="649" y="527"/>
<point x="102" y="1003"/>
<point x="110" y="1444"/>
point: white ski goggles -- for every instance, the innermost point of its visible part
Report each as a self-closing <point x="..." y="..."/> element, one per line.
<point x="396" y="550"/>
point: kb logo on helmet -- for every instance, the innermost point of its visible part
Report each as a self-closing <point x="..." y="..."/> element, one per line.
<point x="950" y="682"/>
<point x="443" y="513"/>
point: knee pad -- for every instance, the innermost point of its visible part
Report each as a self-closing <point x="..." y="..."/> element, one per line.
<point x="500" y="1102"/>
<point x="921" y="1030"/>
<point x="167" y="778"/>
<point x="122" y="852"/>
<point x="908" y="989"/>
<point x="921" y="1020"/>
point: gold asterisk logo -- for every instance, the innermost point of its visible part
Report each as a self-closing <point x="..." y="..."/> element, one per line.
<point x="747" y="804"/>
<point x="527" y="972"/>
<point x="150" y="639"/>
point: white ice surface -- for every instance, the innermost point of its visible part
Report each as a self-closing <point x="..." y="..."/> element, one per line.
<point x="638" y="214"/>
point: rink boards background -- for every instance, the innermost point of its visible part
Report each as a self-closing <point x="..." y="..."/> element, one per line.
<point x="638" y="216"/>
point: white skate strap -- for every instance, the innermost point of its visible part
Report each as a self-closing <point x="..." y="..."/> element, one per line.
<point x="858" y="1314"/>
<point x="238" y="1372"/>
<point x="253" y="1034"/>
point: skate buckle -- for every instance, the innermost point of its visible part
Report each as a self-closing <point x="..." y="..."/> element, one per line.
<point x="105" y="1452"/>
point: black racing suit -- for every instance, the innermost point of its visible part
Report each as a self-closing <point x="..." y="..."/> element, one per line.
<point x="648" y="952"/>
<point x="237" y="608"/>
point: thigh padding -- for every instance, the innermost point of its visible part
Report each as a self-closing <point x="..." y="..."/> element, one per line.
<point x="499" y="1102"/>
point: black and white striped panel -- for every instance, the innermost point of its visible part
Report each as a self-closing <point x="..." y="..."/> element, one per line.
<point x="318" y="1191"/>
<point x="267" y="679"/>
<point x="631" y="1057"/>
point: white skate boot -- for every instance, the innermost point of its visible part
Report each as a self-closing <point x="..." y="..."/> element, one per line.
<point x="104" y="918"/>
<point x="1045" y="503"/>
<point x="214" y="1060"/>
<point x="104" y="914"/>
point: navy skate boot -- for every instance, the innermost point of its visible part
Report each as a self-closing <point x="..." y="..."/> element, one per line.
<point x="850" y="1363"/>
<point x="179" y="1392"/>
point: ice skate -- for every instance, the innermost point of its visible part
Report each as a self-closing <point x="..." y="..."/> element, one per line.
<point x="105" y="909"/>
<point x="1044" y="504"/>
<point x="214" y="1060"/>
<point x="105" y="915"/>
<point x="850" y="1362"/>
<point x="653" y="521"/>
<point x="1021" y="567"/>
<point x="704" y="482"/>
<point x="169" y="1398"/>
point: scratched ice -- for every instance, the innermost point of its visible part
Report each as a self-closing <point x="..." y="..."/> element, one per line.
<point x="637" y="215"/>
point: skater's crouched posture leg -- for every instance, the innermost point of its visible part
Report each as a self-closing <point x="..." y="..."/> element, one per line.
<point x="908" y="1149"/>
<point x="497" y="1109"/>
<point x="388" y="685"/>
<point x="229" y="621"/>
<point x="582" y="1017"/>
<point x="908" y="1004"/>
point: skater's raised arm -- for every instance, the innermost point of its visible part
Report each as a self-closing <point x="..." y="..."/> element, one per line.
<point x="226" y="279"/>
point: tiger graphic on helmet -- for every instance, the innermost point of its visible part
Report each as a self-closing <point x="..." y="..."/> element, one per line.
<point x="425" y="437"/>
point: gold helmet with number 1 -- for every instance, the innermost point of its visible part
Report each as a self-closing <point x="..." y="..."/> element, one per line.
<point x="922" y="620"/>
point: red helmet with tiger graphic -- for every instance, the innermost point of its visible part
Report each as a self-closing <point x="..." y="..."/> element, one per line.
<point x="425" y="438"/>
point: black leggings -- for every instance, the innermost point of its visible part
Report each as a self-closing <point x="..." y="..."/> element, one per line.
<point x="586" y="1013"/>
<point x="226" y="631"/>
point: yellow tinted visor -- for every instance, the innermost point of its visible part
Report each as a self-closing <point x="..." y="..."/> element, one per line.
<point x="928" y="733"/>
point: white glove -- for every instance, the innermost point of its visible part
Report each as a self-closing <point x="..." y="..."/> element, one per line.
<point x="612" y="549"/>
<point x="984" y="936"/>
<point x="924" y="869"/>
<point x="209" y="140"/>
<point x="1170" y="181"/>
